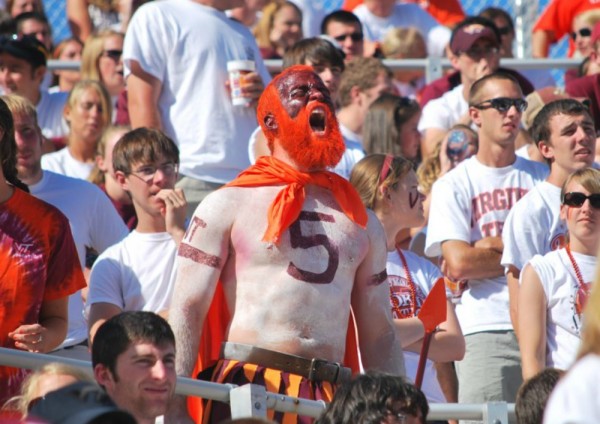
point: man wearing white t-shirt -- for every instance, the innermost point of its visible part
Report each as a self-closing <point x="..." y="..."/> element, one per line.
<point x="137" y="273"/>
<point x="175" y="57"/>
<point x="468" y="208"/>
<point x="94" y="221"/>
<point x="564" y="133"/>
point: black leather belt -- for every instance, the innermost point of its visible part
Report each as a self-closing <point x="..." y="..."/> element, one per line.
<point x="313" y="369"/>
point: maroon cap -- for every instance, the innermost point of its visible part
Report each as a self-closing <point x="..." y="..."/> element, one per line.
<point x="595" y="33"/>
<point x="465" y="37"/>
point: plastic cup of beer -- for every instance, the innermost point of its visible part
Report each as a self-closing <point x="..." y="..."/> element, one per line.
<point x="237" y="69"/>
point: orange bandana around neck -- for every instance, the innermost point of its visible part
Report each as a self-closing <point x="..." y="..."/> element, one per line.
<point x="287" y="205"/>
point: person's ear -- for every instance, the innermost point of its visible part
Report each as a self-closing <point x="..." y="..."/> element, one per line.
<point x="475" y="115"/>
<point x="103" y="375"/>
<point x="100" y="163"/>
<point x="546" y="150"/>
<point x="67" y="113"/>
<point x="122" y="180"/>
<point x="355" y="94"/>
<point x="39" y="73"/>
<point x="271" y="122"/>
<point x="564" y="212"/>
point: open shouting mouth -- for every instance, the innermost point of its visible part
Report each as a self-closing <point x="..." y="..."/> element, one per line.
<point x="317" y="119"/>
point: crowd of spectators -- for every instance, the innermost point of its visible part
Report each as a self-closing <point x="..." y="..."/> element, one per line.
<point x="136" y="184"/>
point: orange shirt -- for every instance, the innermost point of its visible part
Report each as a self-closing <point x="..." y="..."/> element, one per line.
<point x="38" y="263"/>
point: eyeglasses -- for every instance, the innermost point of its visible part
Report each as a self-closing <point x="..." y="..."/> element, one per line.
<point x="575" y="199"/>
<point x="583" y="32"/>
<point x="355" y="36"/>
<point x="479" y="52"/>
<point x="502" y="104"/>
<point x="147" y="173"/>
<point x="504" y="30"/>
<point x="113" y="54"/>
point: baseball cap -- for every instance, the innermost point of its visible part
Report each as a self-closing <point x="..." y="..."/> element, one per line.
<point x="79" y="403"/>
<point x="464" y="37"/>
<point x="27" y="48"/>
<point x="595" y="33"/>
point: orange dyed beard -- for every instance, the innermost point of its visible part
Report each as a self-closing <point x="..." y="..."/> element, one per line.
<point x="308" y="149"/>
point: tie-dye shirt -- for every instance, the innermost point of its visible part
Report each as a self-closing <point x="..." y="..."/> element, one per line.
<point x="38" y="263"/>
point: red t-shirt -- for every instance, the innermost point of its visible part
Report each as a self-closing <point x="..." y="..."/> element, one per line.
<point x="38" y="263"/>
<point x="558" y="17"/>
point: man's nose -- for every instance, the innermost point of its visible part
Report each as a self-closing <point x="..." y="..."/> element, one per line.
<point x="316" y="94"/>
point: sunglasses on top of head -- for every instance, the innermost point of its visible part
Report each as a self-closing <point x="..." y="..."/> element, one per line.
<point x="576" y="199"/>
<point x="502" y="104"/>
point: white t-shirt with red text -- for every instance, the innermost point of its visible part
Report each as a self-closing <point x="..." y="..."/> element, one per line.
<point x="467" y="204"/>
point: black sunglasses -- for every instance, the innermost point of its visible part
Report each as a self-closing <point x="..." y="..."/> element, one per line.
<point x="113" y="54"/>
<point x="355" y="36"/>
<point x="505" y="30"/>
<point x="502" y="104"/>
<point x="576" y="199"/>
<point x="583" y="32"/>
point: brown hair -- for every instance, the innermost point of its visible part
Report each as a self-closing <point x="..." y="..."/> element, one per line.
<point x="143" y="145"/>
<point x="385" y="117"/>
<point x="366" y="176"/>
<point x="362" y="73"/>
<point x="401" y="42"/>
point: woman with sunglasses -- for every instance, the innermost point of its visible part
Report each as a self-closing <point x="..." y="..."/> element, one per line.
<point x="101" y="61"/>
<point x="388" y="186"/>
<point x="554" y="287"/>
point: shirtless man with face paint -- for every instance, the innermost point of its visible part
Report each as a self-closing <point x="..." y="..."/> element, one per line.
<point x="293" y="249"/>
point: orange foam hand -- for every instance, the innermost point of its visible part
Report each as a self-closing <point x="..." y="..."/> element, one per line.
<point x="433" y="310"/>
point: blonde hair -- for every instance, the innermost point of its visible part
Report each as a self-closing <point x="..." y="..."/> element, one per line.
<point x="81" y="86"/>
<point x="92" y="50"/>
<point x="589" y="178"/>
<point x="262" y="30"/>
<point x="590" y="17"/>
<point x="19" y="105"/>
<point x="97" y="175"/>
<point x="366" y="176"/>
<point x="401" y="43"/>
<point x="21" y="402"/>
<point x="430" y="169"/>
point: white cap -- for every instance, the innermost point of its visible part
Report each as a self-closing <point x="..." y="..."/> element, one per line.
<point x="240" y="65"/>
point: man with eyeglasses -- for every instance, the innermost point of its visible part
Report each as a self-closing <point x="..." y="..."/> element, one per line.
<point x="468" y="208"/>
<point x="345" y="28"/>
<point x="137" y="273"/>
<point x="565" y="135"/>
<point x="474" y="53"/>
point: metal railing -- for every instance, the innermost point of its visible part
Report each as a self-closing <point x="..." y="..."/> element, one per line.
<point x="253" y="400"/>
<point x="434" y="66"/>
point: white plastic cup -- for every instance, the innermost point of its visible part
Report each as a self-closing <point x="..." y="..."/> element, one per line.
<point x="237" y="69"/>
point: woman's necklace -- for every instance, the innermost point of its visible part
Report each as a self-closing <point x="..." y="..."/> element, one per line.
<point x="584" y="289"/>
<point x="411" y="287"/>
